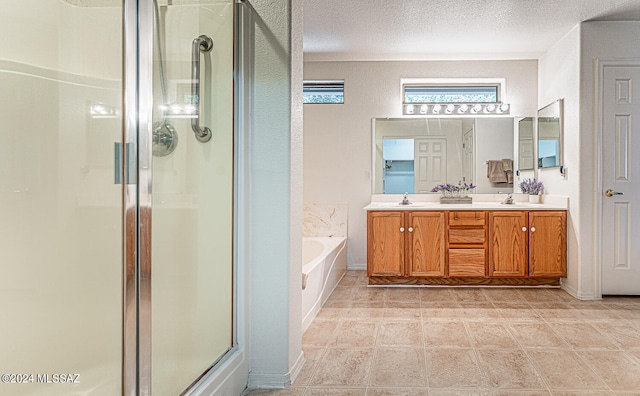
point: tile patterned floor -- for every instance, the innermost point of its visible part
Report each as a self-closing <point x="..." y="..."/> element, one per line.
<point x="468" y="341"/>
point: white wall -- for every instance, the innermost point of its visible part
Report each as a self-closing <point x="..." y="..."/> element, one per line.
<point x="337" y="138"/>
<point x="567" y="70"/>
<point x="559" y="76"/>
<point x="275" y="205"/>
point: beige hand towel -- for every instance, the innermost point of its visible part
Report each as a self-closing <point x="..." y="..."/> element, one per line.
<point x="495" y="172"/>
<point x="507" y="166"/>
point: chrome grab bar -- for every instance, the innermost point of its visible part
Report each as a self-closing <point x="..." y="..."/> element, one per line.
<point x="200" y="44"/>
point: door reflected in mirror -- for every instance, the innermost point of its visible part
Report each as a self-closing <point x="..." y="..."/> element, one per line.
<point x="550" y="135"/>
<point x="525" y="143"/>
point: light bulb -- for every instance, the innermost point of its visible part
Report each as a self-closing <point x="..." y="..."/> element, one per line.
<point x="476" y="108"/>
<point x="437" y="108"/>
<point x="504" y="107"/>
<point x="463" y="108"/>
<point x="450" y="108"/>
<point x="491" y="108"/>
<point x="410" y="109"/>
<point x="423" y="109"/>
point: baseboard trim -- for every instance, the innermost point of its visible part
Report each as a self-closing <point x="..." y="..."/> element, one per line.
<point x="228" y="379"/>
<point x="297" y="367"/>
<point x="276" y="381"/>
<point x="357" y="267"/>
<point x="416" y="281"/>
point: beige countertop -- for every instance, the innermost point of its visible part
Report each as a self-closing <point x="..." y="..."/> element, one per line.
<point x="479" y="202"/>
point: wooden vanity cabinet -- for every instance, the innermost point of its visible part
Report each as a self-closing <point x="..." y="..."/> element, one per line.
<point x="509" y="239"/>
<point x="548" y="244"/>
<point x="406" y="243"/>
<point x="507" y="247"/>
<point x="527" y="244"/>
<point x="467" y="248"/>
<point x="385" y="243"/>
<point x="426" y="244"/>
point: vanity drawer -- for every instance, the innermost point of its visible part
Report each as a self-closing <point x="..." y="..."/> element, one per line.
<point x="466" y="262"/>
<point x="468" y="235"/>
<point x="467" y="218"/>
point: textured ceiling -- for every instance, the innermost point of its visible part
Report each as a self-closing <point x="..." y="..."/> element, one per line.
<point x="451" y="29"/>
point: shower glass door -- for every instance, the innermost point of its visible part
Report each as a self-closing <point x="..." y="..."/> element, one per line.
<point x="192" y="191"/>
<point x="60" y="205"/>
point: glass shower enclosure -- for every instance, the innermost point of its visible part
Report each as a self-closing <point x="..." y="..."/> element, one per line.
<point x="116" y="194"/>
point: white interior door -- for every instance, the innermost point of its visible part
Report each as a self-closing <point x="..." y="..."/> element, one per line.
<point x="620" y="180"/>
<point x="430" y="164"/>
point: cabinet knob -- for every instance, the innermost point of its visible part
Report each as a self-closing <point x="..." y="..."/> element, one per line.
<point x="410" y="229"/>
<point x="524" y="228"/>
<point x="533" y="229"/>
<point x="401" y="229"/>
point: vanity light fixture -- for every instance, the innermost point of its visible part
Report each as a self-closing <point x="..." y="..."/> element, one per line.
<point x="456" y="108"/>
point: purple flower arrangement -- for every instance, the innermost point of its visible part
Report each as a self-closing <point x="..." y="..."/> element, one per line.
<point x="531" y="187"/>
<point x="452" y="190"/>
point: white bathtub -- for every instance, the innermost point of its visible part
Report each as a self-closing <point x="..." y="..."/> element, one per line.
<point x="324" y="262"/>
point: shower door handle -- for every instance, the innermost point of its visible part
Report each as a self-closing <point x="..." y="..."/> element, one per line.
<point x="129" y="155"/>
<point x="200" y="44"/>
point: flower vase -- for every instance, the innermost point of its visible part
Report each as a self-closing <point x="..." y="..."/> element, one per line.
<point x="534" y="198"/>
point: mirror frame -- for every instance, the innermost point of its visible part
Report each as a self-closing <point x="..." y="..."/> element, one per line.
<point x="553" y="109"/>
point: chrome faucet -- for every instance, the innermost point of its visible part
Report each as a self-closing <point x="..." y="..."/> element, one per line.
<point x="405" y="199"/>
<point x="508" y="200"/>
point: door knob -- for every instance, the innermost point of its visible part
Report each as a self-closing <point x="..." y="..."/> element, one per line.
<point x="611" y="193"/>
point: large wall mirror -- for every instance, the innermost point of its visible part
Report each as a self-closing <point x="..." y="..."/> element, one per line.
<point x="550" y="135"/>
<point x="415" y="154"/>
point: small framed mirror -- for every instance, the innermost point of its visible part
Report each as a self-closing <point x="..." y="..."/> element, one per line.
<point x="526" y="147"/>
<point x="550" y="135"/>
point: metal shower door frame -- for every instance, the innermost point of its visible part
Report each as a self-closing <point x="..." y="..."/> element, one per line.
<point x="137" y="151"/>
<point x="137" y="133"/>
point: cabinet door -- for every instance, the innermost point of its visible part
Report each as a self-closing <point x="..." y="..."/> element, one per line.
<point x="426" y="244"/>
<point x="548" y="244"/>
<point x="508" y="244"/>
<point x="385" y="243"/>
